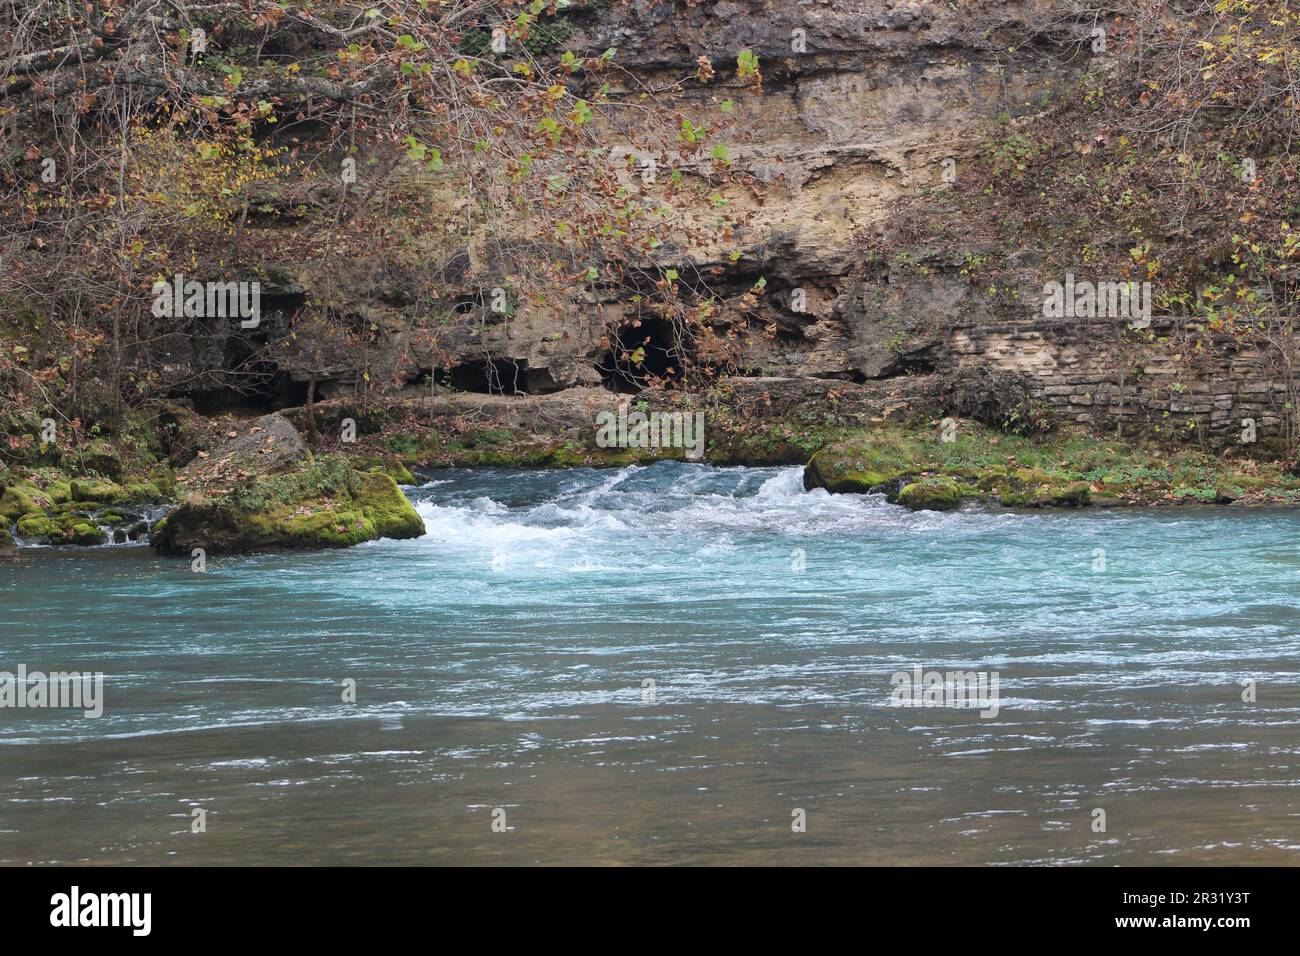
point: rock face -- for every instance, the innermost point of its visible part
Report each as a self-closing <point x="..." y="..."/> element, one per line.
<point x="262" y="490"/>
<point x="864" y="103"/>
<point x="865" y="111"/>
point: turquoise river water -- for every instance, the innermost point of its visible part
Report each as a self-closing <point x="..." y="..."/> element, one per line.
<point x="667" y="664"/>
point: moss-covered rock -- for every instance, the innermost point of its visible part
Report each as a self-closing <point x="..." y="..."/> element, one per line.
<point x="1069" y="468"/>
<point x="100" y="492"/>
<point x="102" y="457"/>
<point x="1051" y="494"/>
<point x="84" y="533"/>
<point x="384" y="504"/>
<point x="932" y="494"/>
<point x="60" y="529"/>
<point x="322" y="504"/>
<point x="34" y="494"/>
<point x="852" y="470"/>
<point x="37" y="527"/>
<point x="19" y="500"/>
<point x="397" y="471"/>
<point x="53" y="485"/>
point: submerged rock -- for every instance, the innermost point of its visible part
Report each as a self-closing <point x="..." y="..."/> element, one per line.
<point x="262" y="490"/>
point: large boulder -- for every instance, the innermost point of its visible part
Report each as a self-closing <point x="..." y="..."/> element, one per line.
<point x="262" y="490"/>
<point x="264" y="446"/>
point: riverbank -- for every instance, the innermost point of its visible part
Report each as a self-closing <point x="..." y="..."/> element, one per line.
<point x="328" y="475"/>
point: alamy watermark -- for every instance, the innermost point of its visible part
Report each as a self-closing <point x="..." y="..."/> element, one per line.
<point x="213" y="300"/>
<point x="921" y="688"/>
<point x="57" y="689"/>
<point x="1098" y="300"/>
<point x="637" y="429"/>
<point x="77" y="909"/>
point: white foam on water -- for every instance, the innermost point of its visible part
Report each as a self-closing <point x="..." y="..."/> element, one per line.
<point x="695" y="501"/>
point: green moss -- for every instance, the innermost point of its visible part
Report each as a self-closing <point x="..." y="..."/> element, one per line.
<point x="331" y="528"/>
<point x="325" y="505"/>
<point x="84" y="533"/>
<point x="143" y="491"/>
<point x="850" y="471"/>
<point x="1068" y="494"/>
<point x="932" y="494"/>
<point x="1073" y="495"/>
<point x="405" y="446"/>
<point x="103" y="492"/>
<point x="397" y="471"/>
<point x="392" y="515"/>
<point x="37" y="526"/>
<point x="101" y="457"/>
<point x="490" y="436"/>
<point x="738" y="440"/>
<point x="1067" y="469"/>
<point x="883" y="455"/>
<point x="63" y="529"/>
<point x="19" y="500"/>
<point x="33" y="495"/>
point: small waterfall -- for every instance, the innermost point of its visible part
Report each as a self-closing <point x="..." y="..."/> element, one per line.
<point x="135" y="530"/>
<point x="119" y="526"/>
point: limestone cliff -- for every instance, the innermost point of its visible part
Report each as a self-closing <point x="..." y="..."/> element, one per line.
<point x="910" y="176"/>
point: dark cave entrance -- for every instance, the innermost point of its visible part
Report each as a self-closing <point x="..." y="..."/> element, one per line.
<point x="247" y="379"/>
<point x="641" y="351"/>
<point x="491" y="377"/>
<point x="265" y="389"/>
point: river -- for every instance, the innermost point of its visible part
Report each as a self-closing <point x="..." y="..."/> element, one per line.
<point x="669" y="664"/>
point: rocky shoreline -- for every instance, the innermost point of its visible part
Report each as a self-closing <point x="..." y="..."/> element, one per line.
<point x="226" y="484"/>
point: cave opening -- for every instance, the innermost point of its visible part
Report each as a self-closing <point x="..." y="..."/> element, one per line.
<point x="263" y="387"/>
<point x="647" y="349"/>
<point x="491" y="377"/>
<point x="246" y="380"/>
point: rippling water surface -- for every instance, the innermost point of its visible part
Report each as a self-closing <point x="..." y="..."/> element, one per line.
<point x="502" y="662"/>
